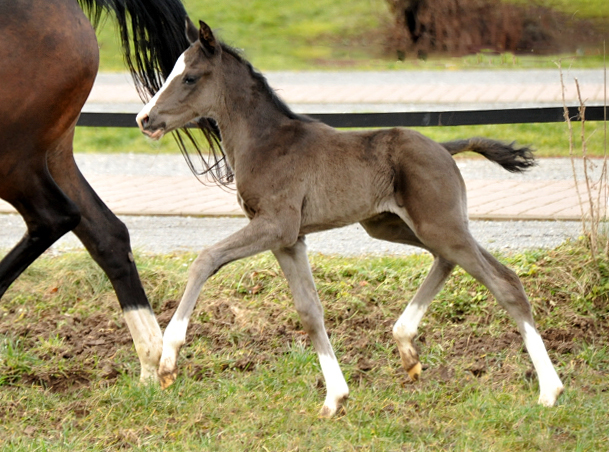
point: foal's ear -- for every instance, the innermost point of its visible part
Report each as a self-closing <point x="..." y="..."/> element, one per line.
<point x="207" y="39"/>
<point x="192" y="32"/>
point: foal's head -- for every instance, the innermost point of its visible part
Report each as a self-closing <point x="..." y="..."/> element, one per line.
<point x="191" y="89"/>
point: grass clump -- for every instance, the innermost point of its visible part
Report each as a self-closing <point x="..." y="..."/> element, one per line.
<point x="250" y="380"/>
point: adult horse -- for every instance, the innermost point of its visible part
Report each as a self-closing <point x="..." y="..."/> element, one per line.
<point x="295" y="176"/>
<point x="48" y="61"/>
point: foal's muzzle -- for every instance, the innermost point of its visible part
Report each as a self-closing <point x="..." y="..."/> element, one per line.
<point x="148" y="129"/>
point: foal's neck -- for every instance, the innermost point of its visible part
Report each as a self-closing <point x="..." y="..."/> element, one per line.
<point x="248" y="112"/>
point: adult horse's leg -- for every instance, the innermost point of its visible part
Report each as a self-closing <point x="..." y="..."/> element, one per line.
<point x="107" y="240"/>
<point x="46" y="210"/>
<point x="47" y="70"/>
<point x="50" y="58"/>
<point x="295" y="265"/>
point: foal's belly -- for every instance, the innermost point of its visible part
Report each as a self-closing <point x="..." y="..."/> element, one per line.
<point x="319" y="214"/>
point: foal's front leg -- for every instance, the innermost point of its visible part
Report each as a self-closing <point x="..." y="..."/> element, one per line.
<point x="259" y="235"/>
<point x="295" y="266"/>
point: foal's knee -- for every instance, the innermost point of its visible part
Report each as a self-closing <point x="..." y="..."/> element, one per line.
<point x="311" y="316"/>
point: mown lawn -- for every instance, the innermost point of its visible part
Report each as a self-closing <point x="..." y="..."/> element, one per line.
<point x="250" y="381"/>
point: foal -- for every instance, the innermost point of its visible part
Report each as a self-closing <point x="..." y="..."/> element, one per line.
<point x="295" y="176"/>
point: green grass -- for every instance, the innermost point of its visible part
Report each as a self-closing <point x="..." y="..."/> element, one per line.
<point x="109" y="140"/>
<point x="587" y="9"/>
<point x="550" y="140"/>
<point x="322" y="34"/>
<point x="280" y="34"/>
<point x="252" y="382"/>
<point x="293" y="35"/>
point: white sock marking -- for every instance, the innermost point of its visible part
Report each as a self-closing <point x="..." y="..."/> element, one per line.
<point x="147" y="338"/>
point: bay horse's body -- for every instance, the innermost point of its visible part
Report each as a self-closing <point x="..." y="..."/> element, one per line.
<point x="296" y="176"/>
<point x="48" y="62"/>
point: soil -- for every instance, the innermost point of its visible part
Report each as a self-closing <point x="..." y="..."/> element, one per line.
<point x="88" y="353"/>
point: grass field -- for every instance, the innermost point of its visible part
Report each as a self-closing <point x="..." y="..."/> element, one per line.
<point x="250" y="381"/>
<point x="321" y="34"/>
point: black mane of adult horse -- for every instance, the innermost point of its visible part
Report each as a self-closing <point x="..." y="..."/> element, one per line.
<point x="48" y="61"/>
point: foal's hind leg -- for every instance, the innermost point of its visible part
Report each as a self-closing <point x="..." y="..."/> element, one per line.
<point x="405" y="329"/>
<point x="390" y="227"/>
<point x="107" y="240"/>
<point x="505" y="285"/>
<point x="295" y="266"/>
<point x="459" y="246"/>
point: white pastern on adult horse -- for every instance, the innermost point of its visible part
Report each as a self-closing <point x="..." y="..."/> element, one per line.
<point x="38" y="173"/>
<point x="399" y="185"/>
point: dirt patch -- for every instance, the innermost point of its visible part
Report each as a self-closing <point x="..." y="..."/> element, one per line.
<point x="250" y="336"/>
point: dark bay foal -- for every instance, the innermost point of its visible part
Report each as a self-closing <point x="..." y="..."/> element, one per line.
<point x="295" y="176"/>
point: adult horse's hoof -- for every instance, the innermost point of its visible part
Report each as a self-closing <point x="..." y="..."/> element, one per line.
<point x="415" y="371"/>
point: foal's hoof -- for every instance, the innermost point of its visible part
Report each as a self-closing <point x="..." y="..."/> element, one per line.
<point x="415" y="371"/>
<point x="327" y="412"/>
<point x="167" y="378"/>
<point x="549" y="398"/>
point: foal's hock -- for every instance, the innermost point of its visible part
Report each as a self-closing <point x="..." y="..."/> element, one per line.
<point x="295" y="176"/>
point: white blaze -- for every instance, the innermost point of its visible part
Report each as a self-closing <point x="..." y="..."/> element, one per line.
<point x="176" y="72"/>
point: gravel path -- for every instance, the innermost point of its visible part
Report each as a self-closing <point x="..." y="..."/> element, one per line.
<point x="173" y="165"/>
<point x="170" y="234"/>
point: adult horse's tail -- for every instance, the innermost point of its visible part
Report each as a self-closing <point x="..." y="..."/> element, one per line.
<point x="153" y="37"/>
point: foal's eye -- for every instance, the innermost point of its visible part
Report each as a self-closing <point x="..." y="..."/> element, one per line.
<point x="189" y="80"/>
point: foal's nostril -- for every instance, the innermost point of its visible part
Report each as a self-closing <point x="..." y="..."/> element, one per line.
<point x="143" y="120"/>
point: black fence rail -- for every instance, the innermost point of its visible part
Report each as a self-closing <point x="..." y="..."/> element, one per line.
<point x="405" y="119"/>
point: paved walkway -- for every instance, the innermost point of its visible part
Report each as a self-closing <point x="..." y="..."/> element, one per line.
<point x="184" y="195"/>
<point x="497" y="199"/>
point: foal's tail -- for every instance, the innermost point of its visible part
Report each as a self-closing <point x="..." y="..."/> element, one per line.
<point x="513" y="159"/>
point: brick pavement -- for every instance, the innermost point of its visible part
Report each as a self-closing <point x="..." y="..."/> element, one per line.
<point x="184" y="195"/>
